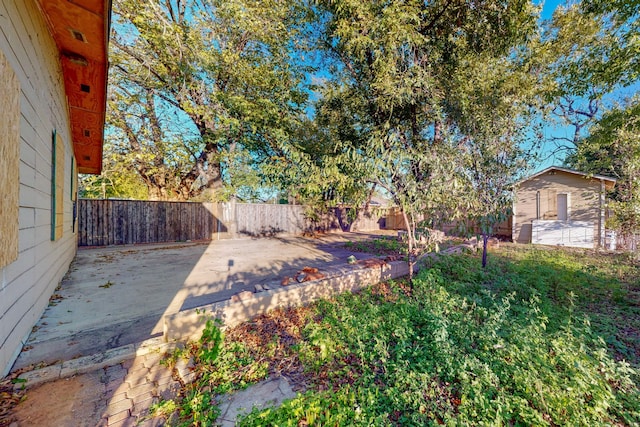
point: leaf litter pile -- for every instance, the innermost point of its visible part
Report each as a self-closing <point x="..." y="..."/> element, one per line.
<point x="278" y="331"/>
<point x="10" y="396"/>
<point x="274" y="339"/>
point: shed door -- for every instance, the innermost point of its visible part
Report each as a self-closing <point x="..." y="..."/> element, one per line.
<point x="563" y="207"/>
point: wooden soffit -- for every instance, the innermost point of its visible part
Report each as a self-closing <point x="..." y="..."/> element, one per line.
<point x="81" y="31"/>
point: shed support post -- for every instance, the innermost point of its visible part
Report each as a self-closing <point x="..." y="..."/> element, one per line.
<point x="601" y="226"/>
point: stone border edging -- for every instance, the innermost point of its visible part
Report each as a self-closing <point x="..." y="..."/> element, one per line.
<point x="188" y="324"/>
<point x="90" y="363"/>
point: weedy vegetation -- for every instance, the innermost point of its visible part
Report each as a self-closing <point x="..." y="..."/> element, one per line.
<point x="379" y="246"/>
<point x="541" y="337"/>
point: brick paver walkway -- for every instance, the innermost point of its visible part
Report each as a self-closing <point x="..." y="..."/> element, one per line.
<point x="131" y="387"/>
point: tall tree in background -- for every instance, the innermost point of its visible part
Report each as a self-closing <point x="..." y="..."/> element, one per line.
<point x="115" y="181"/>
<point x="589" y="50"/>
<point x="198" y="85"/>
<point x="394" y="63"/>
<point x="161" y="157"/>
<point x="493" y="123"/>
<point x="592" y="52"/>
<point x="613" y="149"/>
<point x="316" y="172"/>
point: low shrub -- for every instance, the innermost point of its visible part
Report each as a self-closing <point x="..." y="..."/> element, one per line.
<point x="520" y="343"/>
<point x="506" y="346"/>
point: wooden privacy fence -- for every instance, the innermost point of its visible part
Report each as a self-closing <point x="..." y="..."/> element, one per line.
<point x="259" y="220"/>
<point x="395" y="221"/>
<point x="123" y="222"/>
<point x="120" y="222"/>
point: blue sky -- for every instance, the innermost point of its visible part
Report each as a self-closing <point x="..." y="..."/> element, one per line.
<point x="550" y="130"/>
<point x="548" y="7"/>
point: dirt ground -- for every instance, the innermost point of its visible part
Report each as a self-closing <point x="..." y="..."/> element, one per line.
<point x="75" y="401"/>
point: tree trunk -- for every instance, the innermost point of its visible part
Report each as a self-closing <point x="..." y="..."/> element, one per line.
<point x="485" y="239"/>
<point x="410" y="237"/>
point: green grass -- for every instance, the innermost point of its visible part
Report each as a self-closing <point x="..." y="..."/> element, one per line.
<point x="392" y="246"/>
<point x="379" y="246"/>
<point x="541" y="337"/>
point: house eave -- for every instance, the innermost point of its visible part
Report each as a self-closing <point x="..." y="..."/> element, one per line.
<point x="80" y="29"/>
<point x="608" y="181"/>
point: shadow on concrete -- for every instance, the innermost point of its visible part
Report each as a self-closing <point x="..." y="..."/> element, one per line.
<point x="116" y="296"/>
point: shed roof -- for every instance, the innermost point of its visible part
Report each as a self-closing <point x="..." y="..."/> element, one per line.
<point x="609" y="182"/>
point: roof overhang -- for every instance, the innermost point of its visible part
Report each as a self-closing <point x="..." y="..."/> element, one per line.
<point x="608" y="181"/>
<point x="80" y="29"/>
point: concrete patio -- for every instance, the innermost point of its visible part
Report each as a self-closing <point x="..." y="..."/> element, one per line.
<point x="116" y="296"/>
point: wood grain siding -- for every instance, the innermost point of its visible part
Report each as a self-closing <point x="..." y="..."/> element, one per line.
<point x="9" y="162"/>
<point x="80" y="30"/>
<point x="28" y="281"/>
<point x="539" y="195"/>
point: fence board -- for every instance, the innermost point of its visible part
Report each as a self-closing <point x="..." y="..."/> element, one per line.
<point x="118" y="222"/>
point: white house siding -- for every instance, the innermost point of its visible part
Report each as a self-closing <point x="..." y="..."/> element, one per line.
<point x="27" y="283"/>
<point x="583" y="195"/>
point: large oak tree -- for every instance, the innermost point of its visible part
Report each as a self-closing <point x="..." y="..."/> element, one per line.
<point x="199" y="85"/>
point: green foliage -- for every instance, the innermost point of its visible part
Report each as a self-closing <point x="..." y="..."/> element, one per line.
<point x="337" y="407"/>
<point x="416" y="86"/>
<point x="110" y="184"/>
<point x="613" y="149"/>
<point x="381" y="246"/>
<point x="493" y="139"/>
<point x="587" y="52"/>
<point x="531" y="340"/>
<point x="197" y="409"/>
<point x="318" y="347"/>
<point x="505" y="346"/>
<point x="115" y="181"/>
<point x="165" y="409"/>
<point x="210" y="342"/>
<point x="569" y="283"/>
<point x="222" y="367"/>
<point x="203" y="91"/>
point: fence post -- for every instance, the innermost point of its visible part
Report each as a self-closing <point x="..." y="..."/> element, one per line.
<point x="229" y="217"/>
